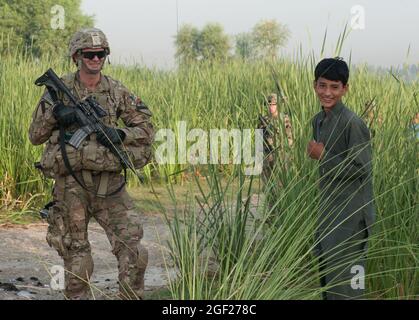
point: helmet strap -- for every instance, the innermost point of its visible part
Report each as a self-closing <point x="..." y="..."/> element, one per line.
<point x="79" y="63"/>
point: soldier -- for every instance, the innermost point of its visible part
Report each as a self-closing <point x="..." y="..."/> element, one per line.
<point x="342" y="146"/>
<point x="103" y="196"/>
<point x="274" y="145"/>
<point x="415" y="125"/>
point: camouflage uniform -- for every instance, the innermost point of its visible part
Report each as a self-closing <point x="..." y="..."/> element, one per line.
<point x="100" y="170"/>
<point x="274" y="147"/>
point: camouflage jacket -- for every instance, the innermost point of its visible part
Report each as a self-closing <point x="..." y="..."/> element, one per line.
<point x="272" y="132"/>
<point x="119" y="103"/>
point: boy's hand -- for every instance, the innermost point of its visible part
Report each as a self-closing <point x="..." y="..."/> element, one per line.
<point x="315" y="150"/>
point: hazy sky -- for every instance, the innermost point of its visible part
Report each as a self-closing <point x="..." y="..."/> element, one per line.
<point x="144" y="30"/>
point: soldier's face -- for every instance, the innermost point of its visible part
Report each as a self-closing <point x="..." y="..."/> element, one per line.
<point x="329" y="92"/>
<point x="94" y="65"/>
<point x="273" y="109"/>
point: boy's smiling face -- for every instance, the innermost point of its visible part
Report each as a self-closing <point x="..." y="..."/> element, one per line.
<point x="329" y="92"/>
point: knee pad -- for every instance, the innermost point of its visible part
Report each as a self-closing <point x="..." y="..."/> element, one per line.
<point x="79" y="265"/>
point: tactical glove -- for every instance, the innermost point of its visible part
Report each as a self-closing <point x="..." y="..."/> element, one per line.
<point x="110" y="136"/>
<point x="65" y="115"/>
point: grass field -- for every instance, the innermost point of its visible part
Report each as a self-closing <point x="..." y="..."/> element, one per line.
<point x="253" y="259"/>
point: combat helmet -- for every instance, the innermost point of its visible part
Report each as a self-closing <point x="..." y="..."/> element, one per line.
<point x="88" y="38"/>
<point x="272" y="98"/>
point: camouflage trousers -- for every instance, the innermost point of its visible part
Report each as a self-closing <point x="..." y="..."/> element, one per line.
<point x="67" y="232"/>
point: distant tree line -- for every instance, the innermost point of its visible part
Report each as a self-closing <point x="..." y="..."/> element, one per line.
<point x="211" y="43"/>
<point x="40" y="26"/>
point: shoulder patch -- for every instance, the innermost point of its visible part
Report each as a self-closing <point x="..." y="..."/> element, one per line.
<point x="139" y="105"/>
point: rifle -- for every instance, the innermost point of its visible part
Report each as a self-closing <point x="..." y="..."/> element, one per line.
<point x="88" y="114"/>
<point x="280" y="91"/>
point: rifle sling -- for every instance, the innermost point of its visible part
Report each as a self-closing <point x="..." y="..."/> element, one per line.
<point x="55" y="98"/>
<point x="72" y="173"/>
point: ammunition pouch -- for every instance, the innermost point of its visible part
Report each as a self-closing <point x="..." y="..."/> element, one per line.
<point x="58" y="234"/>
<point x="90" y="156"/>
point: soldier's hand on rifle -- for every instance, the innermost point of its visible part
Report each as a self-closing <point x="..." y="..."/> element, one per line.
<point x="65" y="115"/>
<point x="110" y="136"/>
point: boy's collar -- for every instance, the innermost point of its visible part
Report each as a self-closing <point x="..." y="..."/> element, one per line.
<point x="336" y="109"/>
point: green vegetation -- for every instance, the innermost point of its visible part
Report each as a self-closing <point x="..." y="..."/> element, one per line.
<point x="40" y="26"/>
<point x="211" y="44"/>
<point x="253" y="259"/>
<point x="267" y="37"/>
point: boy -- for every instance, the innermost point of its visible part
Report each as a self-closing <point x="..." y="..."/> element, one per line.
<point x="342" y="146"/>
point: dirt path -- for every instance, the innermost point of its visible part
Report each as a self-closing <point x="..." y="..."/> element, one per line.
<point x="26" y="258"/>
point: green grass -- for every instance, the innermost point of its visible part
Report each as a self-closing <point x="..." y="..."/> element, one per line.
<point x="243" y="246"/>
<point x="159" y="294"/>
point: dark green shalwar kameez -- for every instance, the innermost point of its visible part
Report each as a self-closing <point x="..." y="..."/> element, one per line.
<point x="346" y="199"/>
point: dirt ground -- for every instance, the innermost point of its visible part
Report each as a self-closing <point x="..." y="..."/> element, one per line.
<point x="26" y="261"/>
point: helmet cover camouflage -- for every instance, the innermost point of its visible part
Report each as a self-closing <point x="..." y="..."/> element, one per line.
<point x="88" y="38"/>
<point x="272" y="98"/>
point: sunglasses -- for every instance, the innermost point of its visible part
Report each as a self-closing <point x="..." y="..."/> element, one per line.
<point x="92" y="55"/>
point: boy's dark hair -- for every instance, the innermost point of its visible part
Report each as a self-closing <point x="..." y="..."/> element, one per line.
<point x="334" y="69"/>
